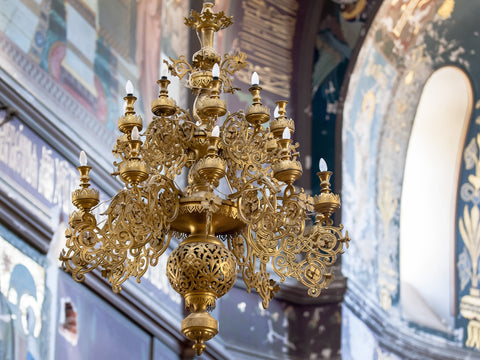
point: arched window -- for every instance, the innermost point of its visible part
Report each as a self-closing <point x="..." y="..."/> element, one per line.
<point x="427" y="216"/>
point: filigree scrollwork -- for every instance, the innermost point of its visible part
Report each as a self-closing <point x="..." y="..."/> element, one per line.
<point x="179" y="67"/>
<point x="82" y="254"/>
<point x="201" y="267"/>
<point x="134" y="235"/>
<point x="255" y="276"/>
<point x="230" y="64"/>
<point x="207" y="18"/>
<point x="165" y="148"/>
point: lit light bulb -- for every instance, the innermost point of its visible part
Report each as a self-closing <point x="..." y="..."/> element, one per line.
<point x="276" y="113"/>
<point x="164" y="70"/>
<point x="83" y="158"/>
<point x="198" y="123"/>
<point x="129" y="88"/>
<point x="322" y="164"/>
<point x="216" y="131"/>
<point x="135" y="135"/>
<point x="255" y="80"/>
<point x="216" y="71"/>
<point x="286" y="133"/>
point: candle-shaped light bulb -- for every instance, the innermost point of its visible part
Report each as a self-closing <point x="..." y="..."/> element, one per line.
<point x="135" y="135"/>
<point x="164" y="71"/>
<point x="198" y="123"/>
<point x="216" y="71"/>
<point x="129" y="88"/>
<point x="83" y="158"/>
<point x="216" y="131"/>
<point x="276" y="114"/>
<point x="322" y="164"/>
<point x="286" y="133"/>
<point x="255" y="80"/>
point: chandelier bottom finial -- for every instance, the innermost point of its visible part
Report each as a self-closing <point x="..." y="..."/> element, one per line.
<point x="201" y="269"/>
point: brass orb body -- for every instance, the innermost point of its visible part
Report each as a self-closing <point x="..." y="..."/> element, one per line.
<point x="201" y="269"/>
<point x="207" y="56"/>
<point x="205" y="268"/>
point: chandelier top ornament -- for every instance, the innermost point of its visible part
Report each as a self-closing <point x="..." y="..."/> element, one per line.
<point x="239" y="213"/>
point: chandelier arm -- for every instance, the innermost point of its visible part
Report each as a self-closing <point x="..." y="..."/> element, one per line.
<point x="165" y="146"/>
<point x="255" y="276"/>
<point x="138" y="229"/>
<point x="179" y="67"/>
<point x="83" y="253"/>
<point x="229" y="66"/>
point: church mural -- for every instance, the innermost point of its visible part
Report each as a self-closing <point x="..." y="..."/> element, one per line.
<point x="360" y="134"/>
<point x="363" y="344"/>
<point x="24" y="301"/>
<point x="41" y="176"/>
<point x="414" y="38"/>
<point x="338" y="31"/>
<point x="38" y="171"/>
<point x="284" y="327"/>
<point x="76" y="79"/>
<point x="260" y="29"/>
<point x="468" y="236"/>
<point x="89" y="328"/>
<point x="75" y="57"/>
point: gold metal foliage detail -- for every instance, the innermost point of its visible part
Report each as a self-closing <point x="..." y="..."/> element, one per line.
<point x="239" y="213"/>
<point x="469" y="228"/>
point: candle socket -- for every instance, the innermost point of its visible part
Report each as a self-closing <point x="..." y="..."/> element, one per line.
<point x="257" y="113"/>
<point x="84" y="178"/>
<point x="284" y="148"/>
<point x="212" y="149"/>
<point x="84" y="198"/>
<point x="135" y="148"/>
<point x="277" y="125"/>
<point x="129" y="101"/>
<point x="324" y="177"/>
<point x="325" y="203"/>
<point x="163" y="105"/>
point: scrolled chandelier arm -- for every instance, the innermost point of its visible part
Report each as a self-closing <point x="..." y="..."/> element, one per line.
<point x="260" y="228"/>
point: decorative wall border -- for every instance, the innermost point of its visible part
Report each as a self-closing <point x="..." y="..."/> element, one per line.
<point x="48" y="96"/>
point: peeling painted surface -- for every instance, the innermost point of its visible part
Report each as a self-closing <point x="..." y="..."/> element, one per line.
<point x="414" y="38"/>
<point x="283" y="330"/>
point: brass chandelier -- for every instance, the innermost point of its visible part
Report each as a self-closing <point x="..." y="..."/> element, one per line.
<point x="239" y="213"/>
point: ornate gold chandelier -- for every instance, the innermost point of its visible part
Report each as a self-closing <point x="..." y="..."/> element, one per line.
<point x="260" y="225"/>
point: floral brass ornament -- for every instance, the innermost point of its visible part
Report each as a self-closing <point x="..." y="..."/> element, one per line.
<point x="240" y="212"/>
<point x="469" y="228"/>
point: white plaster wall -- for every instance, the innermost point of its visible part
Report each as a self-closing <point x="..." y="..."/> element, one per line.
<point x="428" y="195"/>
